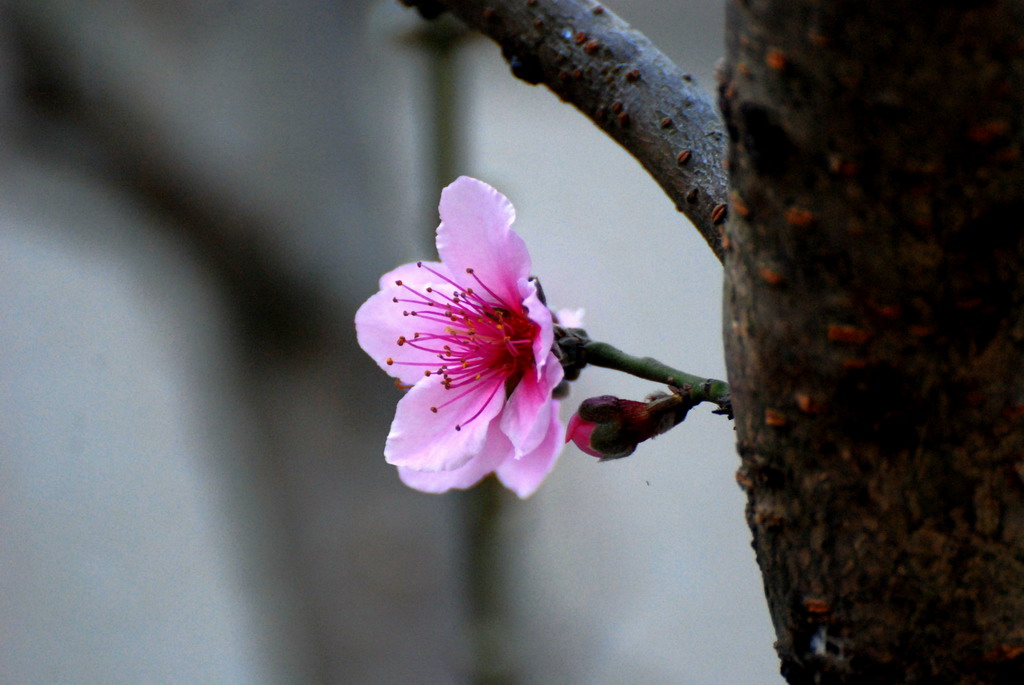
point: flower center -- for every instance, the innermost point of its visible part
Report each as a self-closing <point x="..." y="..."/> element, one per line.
<point x="483" y="343"/>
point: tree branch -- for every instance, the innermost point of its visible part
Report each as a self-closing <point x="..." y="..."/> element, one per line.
<point x="613" y="74"/>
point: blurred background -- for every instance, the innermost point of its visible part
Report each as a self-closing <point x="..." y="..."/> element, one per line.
<point x="195" y="197"/>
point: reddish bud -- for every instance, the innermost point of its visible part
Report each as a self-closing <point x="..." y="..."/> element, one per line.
<point x="610" y="428"/>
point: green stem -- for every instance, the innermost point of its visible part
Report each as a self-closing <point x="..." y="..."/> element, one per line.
<point x="696" y="388"/>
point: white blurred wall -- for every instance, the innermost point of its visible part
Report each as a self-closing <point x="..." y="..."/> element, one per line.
<point x="117" y="560"/>
<point x="188" y="498"/>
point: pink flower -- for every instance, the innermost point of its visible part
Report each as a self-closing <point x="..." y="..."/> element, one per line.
<point x="473" y="340"/>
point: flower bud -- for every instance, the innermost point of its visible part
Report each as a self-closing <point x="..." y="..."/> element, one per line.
<point x="608" y="427"/>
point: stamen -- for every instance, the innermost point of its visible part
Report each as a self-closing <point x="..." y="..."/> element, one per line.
<point x="483" y="406"/>
<point x="484" y="285"/>
<point x="478" y="338"/>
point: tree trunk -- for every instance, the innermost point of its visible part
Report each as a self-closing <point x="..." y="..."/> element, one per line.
<point x="875" y="331"/>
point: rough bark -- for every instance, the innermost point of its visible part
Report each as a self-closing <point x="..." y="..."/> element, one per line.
<point x="875" y="331"/>
<point x="614" y="75"/>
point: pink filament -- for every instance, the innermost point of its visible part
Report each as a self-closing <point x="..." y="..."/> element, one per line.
<point x="485" y="340"/>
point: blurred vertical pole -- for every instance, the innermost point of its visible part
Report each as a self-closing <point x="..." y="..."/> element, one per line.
<point x="443" y="117"/>
<point x="480" y="507"/>
<point x="485" y="580"/>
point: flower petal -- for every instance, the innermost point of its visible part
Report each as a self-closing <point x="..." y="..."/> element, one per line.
<point x="423" y="440"/>
<point x="524" y="419"/>
<point x="524" y="475"/>
<point x="496" y="449"/>
<point x="476" y="233"/>
<point x="540" y="315"/>
<point x="379" y="322"/>
<point x="570" y="318"/>
<point x="579" y="431"/>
